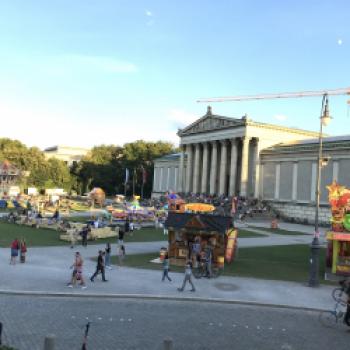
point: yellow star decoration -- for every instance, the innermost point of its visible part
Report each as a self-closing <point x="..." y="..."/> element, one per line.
<point x="335" y="191"/>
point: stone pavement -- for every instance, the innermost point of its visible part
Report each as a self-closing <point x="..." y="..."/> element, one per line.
<point x="47" y="271"/>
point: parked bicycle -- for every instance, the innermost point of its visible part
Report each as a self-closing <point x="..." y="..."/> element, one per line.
<point x="341" y="311"/>
<point x="202" y="271"/>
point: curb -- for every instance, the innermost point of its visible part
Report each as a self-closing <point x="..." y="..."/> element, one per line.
<point x="159" y="297"/>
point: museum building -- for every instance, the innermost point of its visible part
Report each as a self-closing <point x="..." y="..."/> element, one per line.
<point x="238" y="156"/>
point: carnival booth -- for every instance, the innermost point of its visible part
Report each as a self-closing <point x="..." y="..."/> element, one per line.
<point x="191" y="234"/>
<point x="338" y="250"/>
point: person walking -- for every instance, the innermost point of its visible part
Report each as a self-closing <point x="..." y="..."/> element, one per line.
<point x="23" y="251"/>
<point x="188" y="277"/>
<point x="14" y="251"/>
<point x="121" y="254"/>
<point x="100" y="267"/>
<point x="108" y="256"/>
<point x="84" y="234"/>
<point x="166" y="268"/>
<point x="121" y="237"/>
<point x="77" y="274"/>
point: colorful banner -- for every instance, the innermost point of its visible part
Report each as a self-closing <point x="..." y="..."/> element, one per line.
<point x="231" y="245"/>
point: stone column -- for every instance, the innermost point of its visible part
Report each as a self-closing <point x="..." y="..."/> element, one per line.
<point x="223" y="168"/>
<point x="205" y="167"/>
<point x="295" y="181"/>
<point x="214" y="159"/>
<point x="256" y="168"/>
<point x="189" y="168"/>
<point x="196" y="168"/>
<point x="233" y="168"/>
<point x="244" y="166"/>
<point x="180" y="186"/>
<point x="277" y="181"/>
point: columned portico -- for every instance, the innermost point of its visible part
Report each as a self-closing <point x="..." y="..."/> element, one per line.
<point x="214" y="159"/>
<point x="244" y="166"/>
<point x="204" y="186"/>
<point x="189" y="168"/>
<point x="181" y="170"/>
<point x="223" y="168"/>
<point x="196" y="169"/>
<point x="233" y="168"/>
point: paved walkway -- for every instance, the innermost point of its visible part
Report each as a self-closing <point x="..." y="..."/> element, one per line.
<point x="47" y="271"/>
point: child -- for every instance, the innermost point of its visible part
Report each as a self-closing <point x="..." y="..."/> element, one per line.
<point x="23" y="251"/>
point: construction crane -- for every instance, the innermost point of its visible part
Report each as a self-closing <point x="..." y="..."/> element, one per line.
<point x="344" y="91"/>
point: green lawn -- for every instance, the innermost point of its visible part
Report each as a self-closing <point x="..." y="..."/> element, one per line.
<point x="42" y="237"/>
<point x="287" y="263"/>
<point x="279" y="231"/>
<point x="248" y="234"/>
<point x="33" y="236"/>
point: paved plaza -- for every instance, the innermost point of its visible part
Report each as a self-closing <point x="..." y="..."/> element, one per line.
<point x="142" y="325"/>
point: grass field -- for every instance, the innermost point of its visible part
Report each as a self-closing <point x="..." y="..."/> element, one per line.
<point x="286" y="263"/>
<point x="279" y="231"/>
<point x="42" y="237"/>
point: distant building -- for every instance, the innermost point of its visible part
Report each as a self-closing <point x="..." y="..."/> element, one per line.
<point x="230" y="156"/>
<point x="9" y="177"/>
<point x="69" y="155"/>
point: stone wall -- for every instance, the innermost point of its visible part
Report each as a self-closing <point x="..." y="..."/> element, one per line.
<point x="301" y="213"/>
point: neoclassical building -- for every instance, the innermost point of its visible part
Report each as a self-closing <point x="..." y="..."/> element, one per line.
<point x="229" y="156"/>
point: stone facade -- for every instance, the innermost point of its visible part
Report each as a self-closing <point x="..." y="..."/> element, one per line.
<point x="69" y="155"/>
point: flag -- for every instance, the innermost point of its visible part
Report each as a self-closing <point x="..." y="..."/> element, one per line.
<point x="126" y="175"/>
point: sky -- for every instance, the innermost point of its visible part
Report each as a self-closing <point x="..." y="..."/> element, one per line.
<point x="85" y="73"/>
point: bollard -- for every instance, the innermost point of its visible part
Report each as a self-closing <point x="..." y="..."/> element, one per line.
<point x="168" y="344"/>
<point x="49" y="343"/>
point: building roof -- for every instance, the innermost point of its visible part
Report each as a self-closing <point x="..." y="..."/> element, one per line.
<point x="169" y="157"/>
<point x="62" y="147"/>
<point x="310" y="145"/>
<point x="212" y="122"/>
<point x="200" y="222"/>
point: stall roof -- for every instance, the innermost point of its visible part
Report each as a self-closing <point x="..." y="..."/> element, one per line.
<point x="201" y="222"/>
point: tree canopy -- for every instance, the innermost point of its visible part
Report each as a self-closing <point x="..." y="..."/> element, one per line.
<point x="104" y="166"/>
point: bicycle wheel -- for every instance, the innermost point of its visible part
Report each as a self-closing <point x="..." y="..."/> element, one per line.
<point x="328" y="319"/>
<point x="216" y="272"/>
<point x="339" y="296"/>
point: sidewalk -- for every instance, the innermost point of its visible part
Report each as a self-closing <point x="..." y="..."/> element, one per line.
<point x="47" y="271"/>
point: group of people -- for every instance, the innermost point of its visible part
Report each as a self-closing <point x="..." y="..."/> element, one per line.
<point x="18" y="247"/>
<point x="103" y="263"/>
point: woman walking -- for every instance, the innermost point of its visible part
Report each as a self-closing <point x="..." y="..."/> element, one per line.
<point x="166" y="268"/>
<point x="77" y="274"/>
<point x="108" y="256"/>
<point x="23" y="251"/>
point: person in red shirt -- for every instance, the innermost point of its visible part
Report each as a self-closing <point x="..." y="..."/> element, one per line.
<point x="14" y="251"/>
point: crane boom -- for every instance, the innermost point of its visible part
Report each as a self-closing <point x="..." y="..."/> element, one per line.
<point x="344" y="91"/>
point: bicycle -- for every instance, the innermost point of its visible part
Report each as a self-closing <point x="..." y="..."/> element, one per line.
<point x="330" y="318"/>
<point x="339" y="294"/>
<point x="201" y="271"/>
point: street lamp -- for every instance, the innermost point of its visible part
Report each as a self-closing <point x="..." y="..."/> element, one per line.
<point x="325" y="118"/>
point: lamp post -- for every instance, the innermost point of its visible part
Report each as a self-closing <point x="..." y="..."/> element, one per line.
<point x="315" y="244"/>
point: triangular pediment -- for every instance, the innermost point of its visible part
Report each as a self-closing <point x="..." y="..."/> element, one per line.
<point x="210" y="122"/>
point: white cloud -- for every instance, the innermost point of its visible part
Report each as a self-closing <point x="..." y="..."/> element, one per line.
<point x="149" y="13"/>
<point x="104" y="63"/>
<point x="281" y="117"/>
<point x="180" y="118"/>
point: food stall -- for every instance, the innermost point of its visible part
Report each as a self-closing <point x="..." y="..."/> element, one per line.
<point x="206" y="231"/>
<point x="338" y="250"/>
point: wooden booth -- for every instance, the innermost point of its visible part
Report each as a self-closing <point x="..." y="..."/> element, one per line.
<point x="189" y="232"/>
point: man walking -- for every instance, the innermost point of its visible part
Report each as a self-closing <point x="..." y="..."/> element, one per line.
<point x="100" y="267"/>
<point x="188" y="275"/>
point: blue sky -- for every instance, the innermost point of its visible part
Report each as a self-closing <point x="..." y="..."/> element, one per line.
<point x="89" y="72"/>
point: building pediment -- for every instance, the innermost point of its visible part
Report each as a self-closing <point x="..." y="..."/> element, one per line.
<point x="210" y="122"/>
